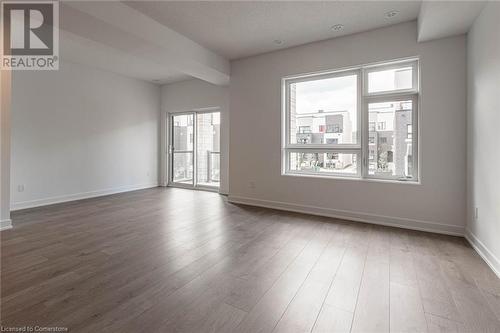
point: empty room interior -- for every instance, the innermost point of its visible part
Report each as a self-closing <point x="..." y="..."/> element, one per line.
<point x="250" y="166"/>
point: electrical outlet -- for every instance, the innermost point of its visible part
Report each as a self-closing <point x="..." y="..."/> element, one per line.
<point x="251" y="184"/>
<point x="20" y="188"/>
<point x="476" y="213"/>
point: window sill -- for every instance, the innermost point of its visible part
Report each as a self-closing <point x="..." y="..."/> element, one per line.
<point x="355" y="178"/>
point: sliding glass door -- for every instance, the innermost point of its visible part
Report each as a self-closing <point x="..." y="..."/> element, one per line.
<point x="194" y="154"/>
<point x="182" y="149"/>
<point x="208" y="149"/>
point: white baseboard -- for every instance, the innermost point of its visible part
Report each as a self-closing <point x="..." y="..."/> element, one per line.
<point x="483" y="251"/>
<point x="78" y="196"/>
<point x="5" y="224"/>
<point x="353" y="216"/>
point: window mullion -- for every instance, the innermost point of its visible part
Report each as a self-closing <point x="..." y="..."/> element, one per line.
<point x="324" y="146"/>
<point x="386" y="143"/>
<point x="364" y="131"/>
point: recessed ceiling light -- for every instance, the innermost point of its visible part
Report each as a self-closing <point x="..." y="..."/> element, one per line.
<point x="391" y="13"/>
<point x="337" y="27"/>
<point x="278" y="41"/>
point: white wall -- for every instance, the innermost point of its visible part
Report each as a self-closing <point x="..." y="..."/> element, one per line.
<point x="81" y="132"/>
<point x="5" y="126"/>
<point x="196" y="94"/>
<point x="437" y="204"/>
<point x="483" y="134"/>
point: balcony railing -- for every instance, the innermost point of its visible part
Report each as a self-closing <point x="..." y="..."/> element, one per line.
<point x="213" y="168"/>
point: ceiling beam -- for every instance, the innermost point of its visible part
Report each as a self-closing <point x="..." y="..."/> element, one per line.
<point x="126" y="30"/>
<point x="77" y="49"/>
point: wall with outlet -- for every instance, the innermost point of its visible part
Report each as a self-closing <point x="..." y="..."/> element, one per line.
<point x="483" y="188"/>
<point x="82" y="132"/>
<point x="437" y="204"/>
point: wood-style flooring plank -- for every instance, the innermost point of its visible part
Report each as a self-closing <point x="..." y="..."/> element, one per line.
<point x="267" y="312"/>
<point x="174" y="260"/>
<point x="372" y="309"/>
<point x="406" y="307"/>
<point x="303" y="310"/>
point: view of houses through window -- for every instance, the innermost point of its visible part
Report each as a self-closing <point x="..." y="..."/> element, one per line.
<point x="324" y="122"/>
<point x="328" y="109"/>
<point x="390" y="149"/>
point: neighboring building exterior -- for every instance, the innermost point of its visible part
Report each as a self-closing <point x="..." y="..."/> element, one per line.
<point x="389" y="138"/>
<point x="208" y="148"/>
<point x="326" y="127"/>
<point x="183" y="141"/>
<point x="320" y="127"/>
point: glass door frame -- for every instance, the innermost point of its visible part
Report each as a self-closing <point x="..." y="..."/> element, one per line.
<point x="171" y="153"/>
<point x="170" y="150"/>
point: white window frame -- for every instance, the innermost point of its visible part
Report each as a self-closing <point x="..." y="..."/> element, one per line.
<point x="367" y="69"/>
<point x="319" y="148"/>
<point x="360" y="148"/>
<point x="413" y="97"/>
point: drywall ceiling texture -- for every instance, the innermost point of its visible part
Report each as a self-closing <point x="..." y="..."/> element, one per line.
<point x="438" y="19"/>
<point x="82" y="132"/>
<point x="236" y="29"/>
<point x="483" y="119"/>
<point x="193" y="95"/>
<point x="111" y="34"/>
<point x="255" y="130"/>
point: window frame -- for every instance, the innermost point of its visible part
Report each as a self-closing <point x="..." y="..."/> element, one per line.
<point x="356" y="152"/>
<point x="361" y="148"/>
<point x="367" y="69"/>
<point x="286" y="82"/>
<point x="414" y="97"/>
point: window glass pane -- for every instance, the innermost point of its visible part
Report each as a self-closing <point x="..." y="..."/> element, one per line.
<point x="322" y="162"/>
<point x="390" y="79"/>
<point x="390" y="146"/>
<point x="183" y="168"/>
<point x="324" y="111"/>
<point x="208" y="148"/>
<point x="183" y="132"/>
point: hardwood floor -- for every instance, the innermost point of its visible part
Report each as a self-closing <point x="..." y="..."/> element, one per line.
<point x="173" y="260"/>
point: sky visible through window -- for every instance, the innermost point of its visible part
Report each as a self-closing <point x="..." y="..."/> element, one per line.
<point x="334" y="94"/>
<point x="324" y="119"/>
<point x="390" y="79"/>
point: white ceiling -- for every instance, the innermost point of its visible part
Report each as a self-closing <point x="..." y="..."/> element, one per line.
<point x="168" y="41"/>
<point x="113" y="34"/>
<point x="81" y="50"/>
<point x="236" y="29"/>
<point x="438" y="19"/>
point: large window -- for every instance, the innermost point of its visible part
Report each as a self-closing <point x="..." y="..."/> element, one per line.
<point x="358" y="123"/>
